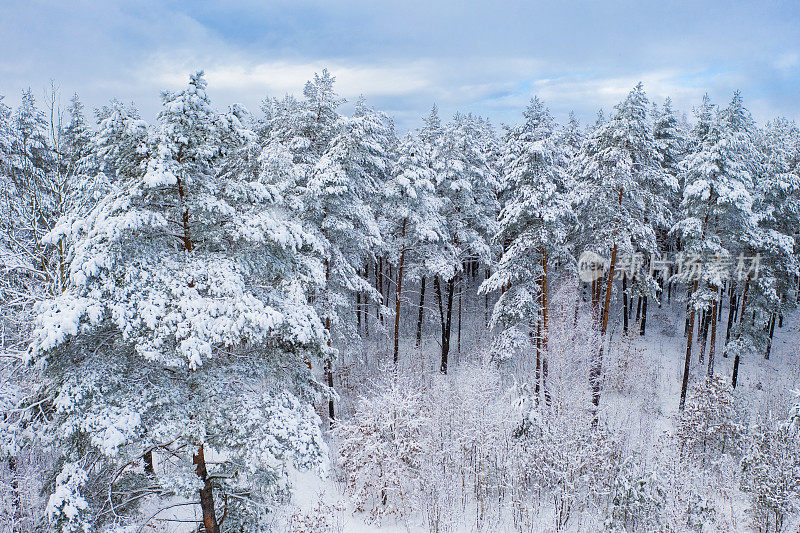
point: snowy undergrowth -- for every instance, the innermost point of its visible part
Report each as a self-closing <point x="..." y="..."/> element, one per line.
<point x="472" y="450"/>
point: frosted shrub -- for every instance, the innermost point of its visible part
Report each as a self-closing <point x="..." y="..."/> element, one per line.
<point x="710" y="424"/>
<point x="771" y="475"/>
<point x="637" y="498"/>
<point x="321" y="518"/>
<point x="567" y="462"/>
<point x="381" y="449"/>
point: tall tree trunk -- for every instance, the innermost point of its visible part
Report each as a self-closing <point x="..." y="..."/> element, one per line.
<point x="486" y="275"/>
<point x="358" y="313"/>
<point x="446" y="319"/>
<point x="388" y="278"/>
<point x="733" y="302"/>
<point x="328" y="364"/>
<point x="735" y="376"/>
<point x="688" y="310"/>
<point x="688" y="359"/>
<point x="596" y="374"/>
<point x="538" y="343"/>
<point x="644" y="316"/>
<point x="713" y="348"/>
<point x="771" y="333"/>
<point x="206" y="493"/>
<point x="545" y="328"/>
<point x="366" y="303"/>
<point x="638" y="308"/>
<point x="398" y="295"/>
<point x="421" y="308"/>
<point x="379" y="286"/>
<point x="624" y="303"/>
<point x="630" y="306"/>
<point x="187" y="239"/>
<point x="458" y="334"/>
<point x="703" y="333"/>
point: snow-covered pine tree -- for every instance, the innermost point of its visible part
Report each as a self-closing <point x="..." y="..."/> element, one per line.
<point x="410" y="219"/>
<point x="31" y="210"/>
<point x="123" y="145"/>
<point x="571" y="135"/>
<point x="777" y="206"/>
<point x="741" y="165"/>
<point x="466" y="186"/>
<point x="671" y="141"/>
<point x="621" y="188"/>
<point x="717" y="222"/>
<point x="532" y="230"/>
<point x="339" y="198"/>
<point x="182" y="337"/>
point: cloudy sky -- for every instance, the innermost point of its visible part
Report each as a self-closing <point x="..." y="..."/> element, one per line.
<point x="487" y="57"/>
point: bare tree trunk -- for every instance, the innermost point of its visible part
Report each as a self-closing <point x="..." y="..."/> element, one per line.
<point x="771" y="333"/>
<point x="388" y="279"/>
<point x="397" y="296"/>
<point x="538" y="344"/>
<point x="624" y="304"/>
<point x="644" y="316"/>
<point x="187" y="239"/>
<point x="545" y="328"/>
<point x="735" y="376"/>
<point x="421" y="308"/>
<point x="688" y="310"/>
<point x="596" y="373"/>
<point x="148" y="462"/>
<point x="713" y="348"/>
<point x="366" y="303"/>
<point x="458" y="334"/>
<point x="328" y="364"/>
<point x="733" y="302"/>
<point x="704" y="321"/>
<point x="630" y="306"/>
<point x="688" y="359"/>
<point x="206" y="493"/>
<point x="379" y="283"/>
<point x="445" y="319"/>
<point x="486" y="275"/>
<point x="358" y="312"/>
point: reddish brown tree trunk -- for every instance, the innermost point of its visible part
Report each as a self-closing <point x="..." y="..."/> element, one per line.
<point x="206" y="493"/>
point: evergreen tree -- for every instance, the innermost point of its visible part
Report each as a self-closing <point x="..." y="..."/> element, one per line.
<point x="338" y="200"/>
<point x="411" y="218"/>
<point x="621" y="188"/>
<point x="464" y="183"/>
<point x="533" y="228"/>
<point x="183" y="333"/>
